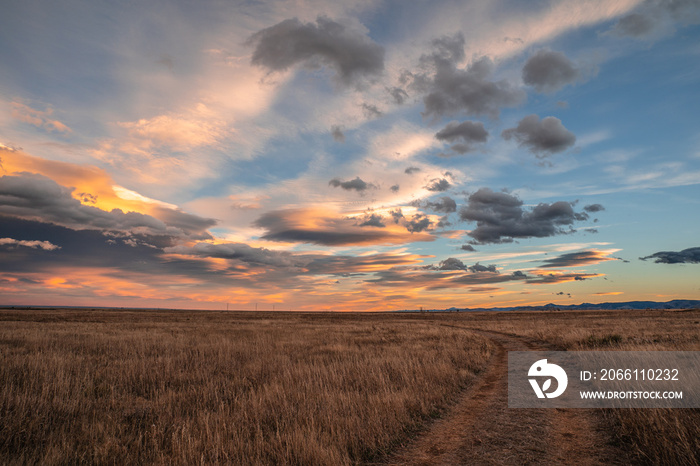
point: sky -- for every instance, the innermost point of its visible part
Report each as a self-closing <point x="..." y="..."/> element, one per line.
<point x="356" y="155"/>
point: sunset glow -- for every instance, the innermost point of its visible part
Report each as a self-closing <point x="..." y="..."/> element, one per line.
<point x="360" y="155"/>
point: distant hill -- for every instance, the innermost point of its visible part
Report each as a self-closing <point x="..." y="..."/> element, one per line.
<point x="674" y="304"/>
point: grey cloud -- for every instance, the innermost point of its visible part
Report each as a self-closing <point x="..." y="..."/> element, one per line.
<point x="478" y="268"/>
<point x="438" y="185"/>
<point x="337" y="133"/>
<point x="468" y="132"/>
<point x="411" y="170"/>
<point x="591" y="208"/>
<point x="397" y="215"/>
<point x="193" y="226"/>
<point x="398" y="95"/>
<point x="654" y="14"/>
<point x="353" y="56"/>
<point x="548" y="71"/>
<point x="371" y="111"/>
<point x="36" y="197"/>
<point x="634" y="25"/>
<point x="500" y="217"/>
<point x="544" y="137"/>
<point x="357" y="184"/>
<point x="451" y="263"/>
<point x="447" y="48"/>
<point x="394" y="188"/>
<point x="577" y="259"/>
<point x="686" y="256"/>
<point x="467" y="247"/>
<point x="445" y="204"/>
<point x="519" y="274"/>
<point x="444" y="222"/>
<point x="451" y="90"/>
<point x="373" y="220"/>
<point x="418" y="223"/>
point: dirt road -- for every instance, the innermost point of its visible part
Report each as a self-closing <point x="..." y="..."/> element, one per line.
<point x="481" y="429"/>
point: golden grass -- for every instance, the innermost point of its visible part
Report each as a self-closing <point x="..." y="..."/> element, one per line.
<point x="205" y="388"/>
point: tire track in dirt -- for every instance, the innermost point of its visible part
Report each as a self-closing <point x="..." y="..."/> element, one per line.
<point x="481" y="429"/>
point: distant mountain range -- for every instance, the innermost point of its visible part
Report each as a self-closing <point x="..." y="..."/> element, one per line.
<point x="675" y="304"/>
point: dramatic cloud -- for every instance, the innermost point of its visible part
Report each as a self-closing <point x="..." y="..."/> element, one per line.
<point x="686" y="256"/>
<point x="465" y="134"/>
<point x="467" y="247"/>
<point x="451" y="90"/>
<point x="577" y="259"/>
<point x="320" y="227"/>
<point x="548" y="71"/>
<point x="352" y="55"/>
<point x="337" y="133"/>
<point x="36" y="197"/>
<point x="444" y="204"/>
<point x="500" y="217"/>
<point x="353" y="185"/>
<point x="438" y="185"/>
<point x="45" y="245"/>
<point x="544" y="137"/>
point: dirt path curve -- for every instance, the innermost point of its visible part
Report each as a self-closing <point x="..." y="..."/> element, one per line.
<point x="481" y="429"/>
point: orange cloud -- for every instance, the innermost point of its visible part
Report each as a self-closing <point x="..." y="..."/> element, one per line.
<point x="38" y="118"/>
<point x="91" y="186"/>
<point x="325" y="227"/>
<point x="178" y="132"/>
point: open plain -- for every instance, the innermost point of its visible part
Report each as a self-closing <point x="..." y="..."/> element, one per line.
<point x="196" y="387"/>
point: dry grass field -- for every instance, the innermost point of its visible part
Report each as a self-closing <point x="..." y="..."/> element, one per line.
<point x="130" y="387"/>
<point x="203" y="388"/>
